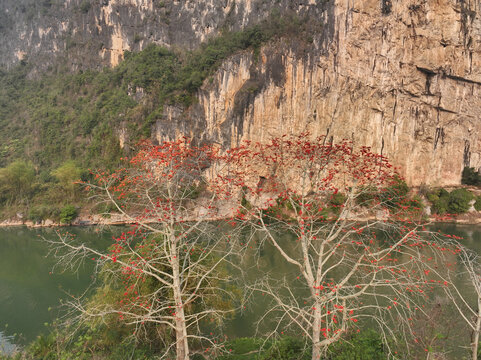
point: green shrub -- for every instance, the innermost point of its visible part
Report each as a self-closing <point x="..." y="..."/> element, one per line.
<point x="288" y="348"/>
<point x="456" y="202"/>
<point x="459" y="201"/>
<point x="440" y="200"/>
<point x="477" y="204"/>
<point x="441" y="205"/>
<point x="39" y="213"/>
<point x="366" y="345"/>
<point x="101" y="342"/>
<point x="67" y="214"/>
<point x="414" y="204"/>
<point x="470" y="177"/>
<point x="44" y="347"/>
<point x="443" y="193"/>
<point x="399" y="188"/>
<point x="16" y="180"/>
<point x="432" y="197"/>
<point x="68" y="174"/>
<point x="242" y="349"/>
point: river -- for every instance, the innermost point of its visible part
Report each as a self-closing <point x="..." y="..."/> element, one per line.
<point x="31" y="289"/>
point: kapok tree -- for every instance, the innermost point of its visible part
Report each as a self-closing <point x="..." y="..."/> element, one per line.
<point x="357" y="253"/>
<point x="169" y="262"/>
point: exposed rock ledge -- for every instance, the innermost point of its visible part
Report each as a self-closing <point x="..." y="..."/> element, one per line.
<point x="470" y="218"/>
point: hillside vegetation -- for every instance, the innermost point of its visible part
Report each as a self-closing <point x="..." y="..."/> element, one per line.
<point x="74" y="119"/>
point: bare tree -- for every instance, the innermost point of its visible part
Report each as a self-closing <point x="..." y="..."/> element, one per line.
<point x="358" y="254"/>
<point x="170" y="263"/>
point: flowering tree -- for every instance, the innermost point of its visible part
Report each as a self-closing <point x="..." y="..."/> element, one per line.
<point x="357" y="253"/>
<point x="169" y="264"/>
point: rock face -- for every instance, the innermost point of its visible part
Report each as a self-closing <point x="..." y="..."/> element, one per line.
<point x="95" y="33"/>
<point x="403" y="77"/>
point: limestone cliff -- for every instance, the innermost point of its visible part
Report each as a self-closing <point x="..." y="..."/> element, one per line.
<point x="403" y="76"/>
<point x="95" y="33"/>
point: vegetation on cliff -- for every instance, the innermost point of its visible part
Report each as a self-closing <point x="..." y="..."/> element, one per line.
<point x="59" y="117"/>
<point x="471" y="177"/>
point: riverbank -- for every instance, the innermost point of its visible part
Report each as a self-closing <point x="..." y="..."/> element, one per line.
<point x="470" y="218"/>
<point x="90" y="220"/>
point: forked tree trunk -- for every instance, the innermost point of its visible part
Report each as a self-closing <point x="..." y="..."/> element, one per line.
<point x="182" y="345"/>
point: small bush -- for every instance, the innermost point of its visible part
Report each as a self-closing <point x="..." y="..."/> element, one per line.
<point x="288" y="348"/>
<point x="456" y="202"/>
<point x="243" y="349"/>
<point x="44" y="347"/>
<point x="432" y="197"/>
<point x="338" y="199"/>
<point x="441" y="206"/>
<point x="477" y="204"/>
<point x="470" y="177"/>
<point x="67" y="214"/>
<point x="440" y="200"/>
<point x="414" y="204"/>
<point x="459" y="201"/>
<point x="39" y="213"/>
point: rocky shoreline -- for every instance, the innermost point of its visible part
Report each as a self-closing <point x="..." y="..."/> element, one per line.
<point x="469" y="218"/>
<point x="91" y="220"/>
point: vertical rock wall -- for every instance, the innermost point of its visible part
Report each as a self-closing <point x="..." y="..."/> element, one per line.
<point x="403" y="77"/>
<point x="95" y="33"/>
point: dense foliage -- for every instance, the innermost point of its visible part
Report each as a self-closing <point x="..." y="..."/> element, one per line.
<point x="470" y="177"/>
<point x="113" y="343"/>
<point x="454" y="202"/>
<point x="49" y="121"/>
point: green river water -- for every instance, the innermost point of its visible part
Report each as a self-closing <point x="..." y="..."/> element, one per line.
<point x="31" y="289"/>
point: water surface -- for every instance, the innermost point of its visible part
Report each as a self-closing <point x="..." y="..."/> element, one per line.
<point x="31" y="289"/>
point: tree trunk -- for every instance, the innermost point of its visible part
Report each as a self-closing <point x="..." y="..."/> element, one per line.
<point x="316" y="333"/>
<point x="477" y="329"/>
<point x="182" y="345"/>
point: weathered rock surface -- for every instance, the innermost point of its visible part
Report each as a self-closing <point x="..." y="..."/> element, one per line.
<point x="403" y="78"/>
<point x="95" y="33"/>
